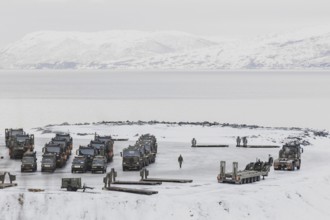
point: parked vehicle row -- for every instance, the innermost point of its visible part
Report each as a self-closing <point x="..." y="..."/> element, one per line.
<point x="141" y="154"/>
<point x="95" y="156"/>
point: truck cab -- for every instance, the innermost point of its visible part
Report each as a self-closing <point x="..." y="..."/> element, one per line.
<point x="29" y="162"/>
<point x="48" y="162"/>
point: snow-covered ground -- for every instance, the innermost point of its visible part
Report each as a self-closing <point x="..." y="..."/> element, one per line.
<point x="131" y="50"/>
<point x="277" y="99"/>
<point x="303" y="194"/>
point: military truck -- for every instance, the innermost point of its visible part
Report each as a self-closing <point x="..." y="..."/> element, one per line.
<point x="149" y="150"/>
<point x="19" y="144"/>
<point x="79" y="164"/>
<point x="29" y="162"/>
<point x="48" y="162"/>
<point x="289" y="157"/>
<point x="65" y="145"/>
<point x="11" y="133"/>
<point x="152" y="139"/>
<point x="99" y="164"/>
<point x="108" y="145"/>
<point x="58" y="150"/>
<point x="132" y="158"/>
<point x="68" y="138"/>
<point x="88" y="152"/>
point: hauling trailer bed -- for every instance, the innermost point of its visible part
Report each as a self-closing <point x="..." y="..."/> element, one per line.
<point x="259" y="146"/>
<point x="217" y="145"/>
<point x="241" y="176"/>
<point x="129" y="190"/>
<point x="136" y="183"/>
<point x="167" y="180"/>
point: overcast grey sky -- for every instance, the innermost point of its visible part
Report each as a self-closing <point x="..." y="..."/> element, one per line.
<point x="224" y="18"/>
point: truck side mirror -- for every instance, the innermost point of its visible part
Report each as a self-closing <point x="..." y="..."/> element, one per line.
<point x="43" y="150"/>
<point x="121" y="154"/>
<point x="77" y="152"/>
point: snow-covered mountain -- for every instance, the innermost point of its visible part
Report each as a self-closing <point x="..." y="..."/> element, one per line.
<point x="306" y="49"/>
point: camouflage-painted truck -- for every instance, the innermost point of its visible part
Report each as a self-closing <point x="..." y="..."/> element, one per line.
<point x="289" y="157"/>
<point x="89" y="153"/>
<point x="68" y="138"/>
<point x="59" y="151"/>
<point x="29" y="162"/>
<point x="19" y="144"/>
<point x="107" y="148"/>
<point x="133" y="158"/>
<point x="11" y="133"/>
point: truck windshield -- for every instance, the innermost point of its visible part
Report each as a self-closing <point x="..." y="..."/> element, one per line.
<point x="78" y="160"/>
<point x="86" y="151"/>
<point x="21" y="138"/>
<point x="131" y="153"/>
<point x="63" y="142"/>
<point x="47" y="160"/>
<point x="28" y="159"/>
<point x="97" y="146"/>
<point x="53" y="150"/>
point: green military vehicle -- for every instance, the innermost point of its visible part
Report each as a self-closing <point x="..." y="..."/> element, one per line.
<point x="108" y="145"/>
<point x="11" y="133"/>
<point x="19" y="144"/>
<point x="132" y="158"/>
<point x="48" y="162"/>
<point x="99" y="164"/>
<point x="65" y="145"/>
<point x="289" y="157"/>
<point x="68" y="138"/>
<point x="79" y="164"/>
<point x="88" y="152"/>
<point x="29" y="162"/>
<point x="59" y="151"/>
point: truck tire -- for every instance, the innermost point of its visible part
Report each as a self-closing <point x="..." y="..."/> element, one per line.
<point x="293" y="166"/>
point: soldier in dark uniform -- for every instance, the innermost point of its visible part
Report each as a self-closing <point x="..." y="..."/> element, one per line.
<point x="180" y="160"/>
<point x="193" y="142"/>
<point x="245" y="141"/>
<point x="238" y="141"/>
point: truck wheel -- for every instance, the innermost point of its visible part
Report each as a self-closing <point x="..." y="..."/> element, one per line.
<point x="298" y="167"/>
<point x="293" y="166"/>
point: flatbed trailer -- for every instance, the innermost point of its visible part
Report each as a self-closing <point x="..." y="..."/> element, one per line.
<point x="210" y="145"/>
<point x="144" y="173"/>
<point x="258" y="146"/>
<point x="239" y="176"/>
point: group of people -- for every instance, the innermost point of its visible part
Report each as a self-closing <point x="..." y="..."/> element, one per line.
<point x="243" y="139"/>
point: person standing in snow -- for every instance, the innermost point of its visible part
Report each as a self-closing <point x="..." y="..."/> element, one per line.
<point x="180" y="160"/>
<point x="238" y="141"/>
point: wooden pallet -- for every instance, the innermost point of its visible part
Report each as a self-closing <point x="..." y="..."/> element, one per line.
<point x="259" y="146"/>
<point x="129" y="190"/>
<point x="136" y="183"/>
<point x="217" y="145"/>
<point x="167" y="180"/>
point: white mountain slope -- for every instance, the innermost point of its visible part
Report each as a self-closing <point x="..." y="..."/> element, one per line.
<point x="306" y="49"/>
<point x="66" y="50"/>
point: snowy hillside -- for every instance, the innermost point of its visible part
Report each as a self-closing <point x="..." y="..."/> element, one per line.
<point x="306" y="49"/>
<point x="302" y="194"/>
<point x="70" y="50"/>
